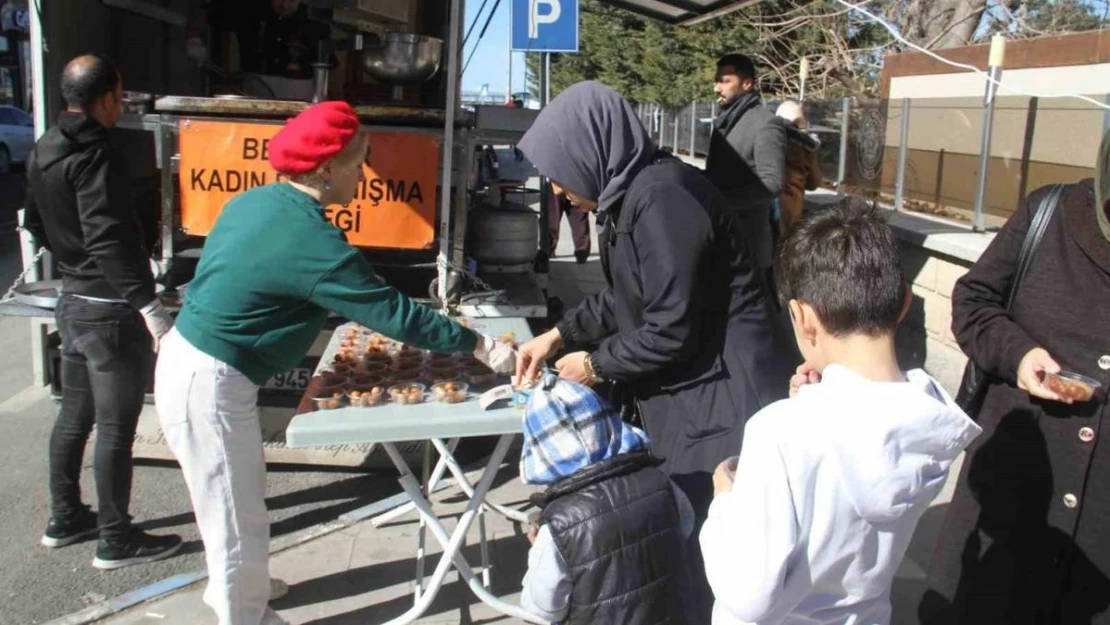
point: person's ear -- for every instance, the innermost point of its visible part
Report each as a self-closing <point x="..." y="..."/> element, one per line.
<point x="804" y="319"/>
<point x="907" y="302"/>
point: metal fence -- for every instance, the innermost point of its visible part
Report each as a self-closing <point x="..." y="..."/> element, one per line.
<point x="924" y="155"/>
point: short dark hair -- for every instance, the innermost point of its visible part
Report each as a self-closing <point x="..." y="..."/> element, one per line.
<point x="88" y="78"/>
<point x="742" y="63"/>
<point x="844" y="262"/>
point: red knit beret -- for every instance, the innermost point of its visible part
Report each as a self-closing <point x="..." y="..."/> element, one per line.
<point x="313" y="137"/>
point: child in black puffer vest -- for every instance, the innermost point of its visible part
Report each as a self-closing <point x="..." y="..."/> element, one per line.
<point x="610" y="543"/>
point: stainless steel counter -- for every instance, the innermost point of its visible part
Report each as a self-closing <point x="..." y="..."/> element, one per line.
<point x="283" y="109"/>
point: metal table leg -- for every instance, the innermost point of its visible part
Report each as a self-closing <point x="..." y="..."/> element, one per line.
<point x="436" y="481"/>
<point x="451" y="543"/>
<point x="464" y="484"/>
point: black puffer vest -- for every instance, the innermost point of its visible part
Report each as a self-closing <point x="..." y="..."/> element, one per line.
<point x="617" y="527"/>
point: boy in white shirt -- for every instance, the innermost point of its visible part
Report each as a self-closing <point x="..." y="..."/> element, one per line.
<point x="831" y="483"/>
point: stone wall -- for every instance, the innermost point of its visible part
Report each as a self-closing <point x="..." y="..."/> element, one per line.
<point x="925" y="338"/>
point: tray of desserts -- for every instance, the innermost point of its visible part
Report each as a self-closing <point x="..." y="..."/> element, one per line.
<point x="361" y="368"/>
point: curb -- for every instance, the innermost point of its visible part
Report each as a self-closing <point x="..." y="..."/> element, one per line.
<point x="161" y="588"/>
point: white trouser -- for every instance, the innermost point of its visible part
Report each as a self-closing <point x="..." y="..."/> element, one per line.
<point x="209" y="416"/>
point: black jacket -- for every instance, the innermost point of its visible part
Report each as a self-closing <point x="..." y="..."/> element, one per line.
<point x="617" y="527"/>
<point x="685" y="325"/>
<point x="79" y="206"/>
<point x="746" y="160"/>
<point x="1014" y="547"/>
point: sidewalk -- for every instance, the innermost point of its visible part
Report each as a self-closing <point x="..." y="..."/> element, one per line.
<point x="363" y="574"/>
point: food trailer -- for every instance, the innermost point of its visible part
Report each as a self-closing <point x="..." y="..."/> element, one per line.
<point x="428" y="217"/>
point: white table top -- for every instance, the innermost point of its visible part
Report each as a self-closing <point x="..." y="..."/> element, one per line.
<point x="392" y="423"/>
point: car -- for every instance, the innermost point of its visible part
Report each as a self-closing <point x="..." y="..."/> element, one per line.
<point x="17" y="137"/>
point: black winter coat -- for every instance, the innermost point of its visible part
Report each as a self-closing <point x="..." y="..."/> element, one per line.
<point x="747" y="162"/>
<point x="79" y="205"/>
<point x="617" y="527"/>
<point x="1027" y="536"/>
<point x="686" y="326"/>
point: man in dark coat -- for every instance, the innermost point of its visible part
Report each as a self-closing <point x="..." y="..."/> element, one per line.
<point x="747" y="152"/>
<point x="1026" y="538"/>
<point x="685" y="327"/>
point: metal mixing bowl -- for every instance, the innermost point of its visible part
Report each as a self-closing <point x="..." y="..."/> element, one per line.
<point x="403" y="58"/>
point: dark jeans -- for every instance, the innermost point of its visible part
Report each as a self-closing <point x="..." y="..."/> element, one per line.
<point x="106" y="363"/>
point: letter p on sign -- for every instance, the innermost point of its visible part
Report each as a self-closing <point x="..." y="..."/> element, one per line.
<point x="535" y="18"/>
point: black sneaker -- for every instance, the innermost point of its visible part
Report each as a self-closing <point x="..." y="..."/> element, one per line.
<point x="138" y="548"/>
<point x="581" y="257"/>
<point x="61" y="533"/>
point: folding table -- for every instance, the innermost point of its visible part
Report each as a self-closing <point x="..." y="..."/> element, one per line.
<point x="442" y="425"/>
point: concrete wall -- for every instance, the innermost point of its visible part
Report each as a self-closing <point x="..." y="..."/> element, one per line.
<point x="925" y="338"/>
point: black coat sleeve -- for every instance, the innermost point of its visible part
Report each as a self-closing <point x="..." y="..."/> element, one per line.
<point x="32" y="219"/>
<point x="590" y="321"/>
<point x="110" y="228"/>
<point x="770" y="155"/>
<point x="670" y="238"/>
<point x="984" y="329"/>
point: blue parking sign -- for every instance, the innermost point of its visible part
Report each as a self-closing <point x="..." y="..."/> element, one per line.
<point x="545" y="25"/>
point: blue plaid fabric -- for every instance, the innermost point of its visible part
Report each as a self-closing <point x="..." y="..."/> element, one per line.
<point x="568" y="427"/>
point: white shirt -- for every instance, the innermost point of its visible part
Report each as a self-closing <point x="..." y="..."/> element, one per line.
<point x="829" y="488"/>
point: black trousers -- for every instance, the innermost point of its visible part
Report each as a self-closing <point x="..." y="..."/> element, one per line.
<point x="107" y="359"/>
<point x="579" y="225"/>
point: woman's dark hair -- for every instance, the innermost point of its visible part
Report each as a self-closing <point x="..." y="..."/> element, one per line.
<point x="844" y="262"/>
<point x="740" y="63"/>
<point x="88" y="78"/>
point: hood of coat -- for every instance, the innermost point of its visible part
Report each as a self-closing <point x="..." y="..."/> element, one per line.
<point x="75" y="133"/>
<point x="589" y="140"/>
<point x="892" y="462"/>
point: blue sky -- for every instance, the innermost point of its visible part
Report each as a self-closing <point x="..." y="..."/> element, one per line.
<point x="490" y="64"/>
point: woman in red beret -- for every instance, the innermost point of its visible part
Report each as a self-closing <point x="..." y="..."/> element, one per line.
<point x="273" y="267"/>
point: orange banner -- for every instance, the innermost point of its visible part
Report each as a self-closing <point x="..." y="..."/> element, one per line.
<point x="394" y="208"/>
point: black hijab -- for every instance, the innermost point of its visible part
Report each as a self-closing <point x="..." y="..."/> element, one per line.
<point x="589" y="140"/>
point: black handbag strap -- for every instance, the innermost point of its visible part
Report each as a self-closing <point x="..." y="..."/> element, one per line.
<point x="1033" y="238"/>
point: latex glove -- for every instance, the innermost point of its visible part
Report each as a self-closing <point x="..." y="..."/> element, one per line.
<point x="196" y="50"/>
<point x="158" y="321"/>
<point x="496" y="355"/>
<point x="1030" y="375"/>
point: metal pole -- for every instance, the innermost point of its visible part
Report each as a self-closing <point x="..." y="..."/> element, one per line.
<point x="985" y="147"/>
<point x="802" y="91"/>
<point x="675" y="144"/>
<point x="842" y="164"/>
<point x="693" y="127"/>
<point x="547" y="78"/>
<point x="900" y="184"/>
<point x="38" y="68"/>
<point x="445" y="186"/>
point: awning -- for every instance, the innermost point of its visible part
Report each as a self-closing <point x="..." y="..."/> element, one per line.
<point x="682" y="12"/>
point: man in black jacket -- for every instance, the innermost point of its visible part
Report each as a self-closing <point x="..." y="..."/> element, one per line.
<point x="79" y="206"/>
<point x="747" y="152"/>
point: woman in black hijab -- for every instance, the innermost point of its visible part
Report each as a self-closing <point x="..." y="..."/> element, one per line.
<point x="685" y="328"/>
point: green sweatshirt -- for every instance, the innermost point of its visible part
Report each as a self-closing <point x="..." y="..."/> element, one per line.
<point x="272" y="269"/>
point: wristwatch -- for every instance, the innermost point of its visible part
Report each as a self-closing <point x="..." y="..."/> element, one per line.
<point x="591" y="371"/>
